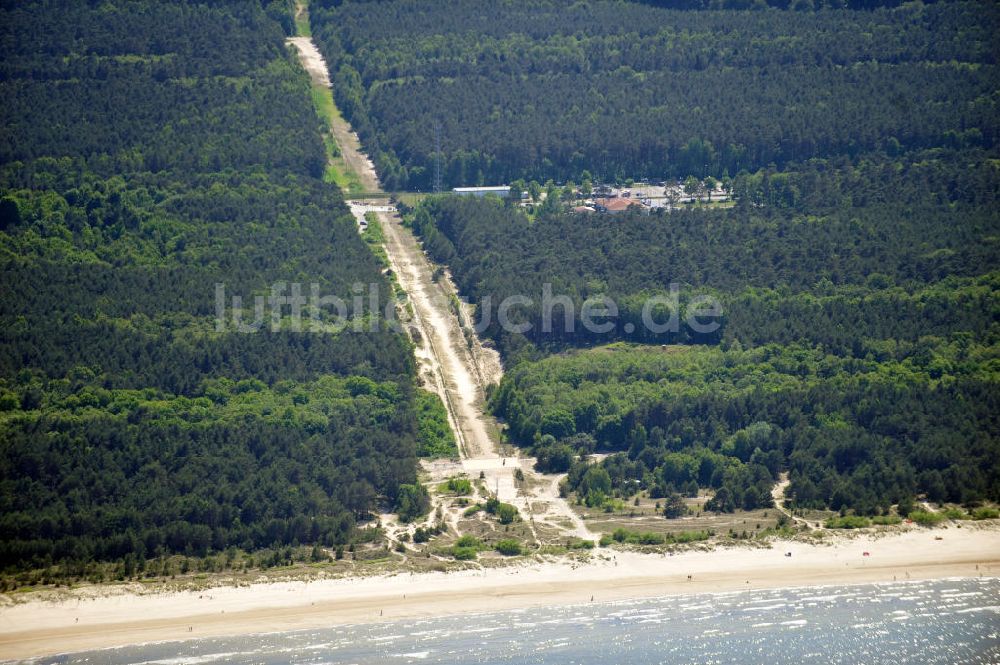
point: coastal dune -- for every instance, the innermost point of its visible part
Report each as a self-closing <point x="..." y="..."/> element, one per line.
<point x="114" y="617"/>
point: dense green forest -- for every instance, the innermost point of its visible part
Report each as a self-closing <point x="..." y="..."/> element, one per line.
<point x="857" y="273"/>
<point x="630" y="90"/>
<point x="883" y="292"/>
<point x="153" y="152"/>
<point x="148" y="152"/>
<point x="861" y="433"/>
<point x="830" y="254"/>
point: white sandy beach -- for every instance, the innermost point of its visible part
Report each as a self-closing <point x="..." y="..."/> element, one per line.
<point x="113" y="617"/>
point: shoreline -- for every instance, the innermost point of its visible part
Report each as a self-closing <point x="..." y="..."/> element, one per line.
<point x="45" y="627"/>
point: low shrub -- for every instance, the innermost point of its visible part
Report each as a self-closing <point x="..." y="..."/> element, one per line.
<point x="924" y="518"/>
<point x="848" y="522"/>
<point x="653" y="538"/>
<point x="463" y="553"/>
<point x="506" y="513"/>
<point x="689" y="536"/>
<point x="459" y="486"/>
<point x="985" y="514"/>
<point x="884" y="520"/>
<point x="468" y="541"/>
<point x="423" y="534"/>
<point x="509" y="547"/>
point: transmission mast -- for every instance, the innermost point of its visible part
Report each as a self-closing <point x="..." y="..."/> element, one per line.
<point x="437" y="157"/>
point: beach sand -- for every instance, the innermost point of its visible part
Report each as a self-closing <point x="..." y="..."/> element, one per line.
<point x="112" y="617"/>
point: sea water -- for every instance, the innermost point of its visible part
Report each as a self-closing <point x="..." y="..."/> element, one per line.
<point x="943" y="621"/>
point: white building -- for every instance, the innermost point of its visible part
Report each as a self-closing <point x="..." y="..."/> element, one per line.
<point x="501" y="190"/>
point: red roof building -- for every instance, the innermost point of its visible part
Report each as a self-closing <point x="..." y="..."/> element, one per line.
<point x="615" y="206"/>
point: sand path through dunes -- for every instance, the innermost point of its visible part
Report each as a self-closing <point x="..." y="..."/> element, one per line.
<point x="778" y="495"/>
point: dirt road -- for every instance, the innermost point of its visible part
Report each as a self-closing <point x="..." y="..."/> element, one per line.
<point x="778" y="495"/>
<point x="439" y="328"/>
<point x="452" y="361"/>
<point x="350" y="146"/>
<point x="441" y="344"/>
